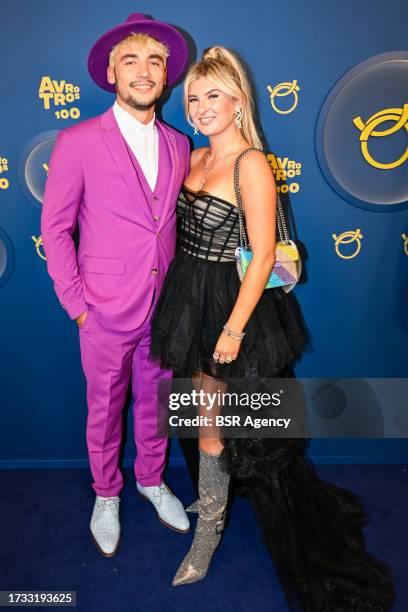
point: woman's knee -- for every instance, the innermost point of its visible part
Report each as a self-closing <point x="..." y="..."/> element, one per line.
<point x="211" y="446"/>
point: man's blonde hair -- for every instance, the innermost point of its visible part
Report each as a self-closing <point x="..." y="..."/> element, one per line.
<point x="151" y="43"/>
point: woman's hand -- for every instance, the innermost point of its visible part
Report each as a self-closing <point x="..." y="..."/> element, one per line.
<point x="226" y="349"/>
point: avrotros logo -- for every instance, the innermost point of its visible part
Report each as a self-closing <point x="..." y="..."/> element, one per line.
<point x="362" y="134"/>
<point x="285" y="169"/>
<point x="4" y="182"/>
<point x="57" y="95"/>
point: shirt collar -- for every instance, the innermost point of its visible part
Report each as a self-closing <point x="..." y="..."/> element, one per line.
<point x="128" y="123"/>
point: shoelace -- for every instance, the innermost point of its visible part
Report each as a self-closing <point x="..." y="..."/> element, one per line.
<point x="159" y="491"/>
<point x="106" y="504"/>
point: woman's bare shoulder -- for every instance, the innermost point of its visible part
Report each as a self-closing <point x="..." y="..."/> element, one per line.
<point x="256" y="175"/>
<point x="254" y="165"/>
<point x="254" y="159"/>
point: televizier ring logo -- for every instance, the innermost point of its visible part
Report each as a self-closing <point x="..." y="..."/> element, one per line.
<point x="283" y="90"/>
<point x="399" y="119"/>
<point x="362" y="134"/>
<point x="33" y="166"/>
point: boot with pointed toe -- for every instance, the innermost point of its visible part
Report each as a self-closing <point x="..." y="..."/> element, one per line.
<point x="211" y="506"/>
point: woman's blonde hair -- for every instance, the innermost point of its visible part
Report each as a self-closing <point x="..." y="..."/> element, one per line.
<point x="226" y="71"/>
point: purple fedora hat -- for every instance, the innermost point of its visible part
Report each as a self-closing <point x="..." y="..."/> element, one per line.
<point x="136" y="22"/>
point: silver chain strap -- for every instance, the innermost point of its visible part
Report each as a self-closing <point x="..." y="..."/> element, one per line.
<point x="280" y="217"/>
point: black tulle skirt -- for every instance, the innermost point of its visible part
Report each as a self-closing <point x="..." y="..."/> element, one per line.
<point x="196" y="301"/>
<point x="312" y="529"/>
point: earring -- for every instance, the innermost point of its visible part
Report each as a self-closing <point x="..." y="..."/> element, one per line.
<point x="193" y="125"/>
<point x="238" y="117"/>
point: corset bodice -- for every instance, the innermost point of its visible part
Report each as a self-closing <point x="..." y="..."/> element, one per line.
<point x="207" y="226"/>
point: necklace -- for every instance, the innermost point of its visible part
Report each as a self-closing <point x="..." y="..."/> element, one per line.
<point x="208" y="170"/>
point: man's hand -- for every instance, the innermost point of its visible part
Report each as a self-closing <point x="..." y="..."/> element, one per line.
<point x="82" y="318"/>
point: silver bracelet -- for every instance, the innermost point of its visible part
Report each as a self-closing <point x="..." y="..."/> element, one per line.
<point x="232" y="334"/>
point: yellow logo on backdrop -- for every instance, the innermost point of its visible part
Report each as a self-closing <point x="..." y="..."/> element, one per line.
<point x="38" y="243"/>
<point x="347" y="238"/>
<point x="59" y="93"/>
<point x="282" y="90"/>
<point x="284" y="169"/>
<point x="4" y="182"/>
<point x="405" y="245"/>
<point x="399" y="116"/>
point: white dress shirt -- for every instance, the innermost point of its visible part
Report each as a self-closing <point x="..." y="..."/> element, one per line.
<point x="143" y="141"/>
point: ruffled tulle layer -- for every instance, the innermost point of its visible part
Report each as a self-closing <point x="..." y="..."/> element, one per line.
<point x="196" y="301"/>
<point x="313" y="529"/>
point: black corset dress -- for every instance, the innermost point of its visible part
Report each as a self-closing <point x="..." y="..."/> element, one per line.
<point x="200" y="291"/>
<point x="312" y="529"/>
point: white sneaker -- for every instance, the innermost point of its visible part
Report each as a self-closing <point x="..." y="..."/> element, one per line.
<point x="169" y="509"/>
<point x="105" y="526"/>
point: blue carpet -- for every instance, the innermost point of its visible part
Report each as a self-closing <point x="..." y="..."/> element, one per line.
<point x="45" y="543"/>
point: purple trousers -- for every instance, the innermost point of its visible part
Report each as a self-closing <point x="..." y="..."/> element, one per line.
<point x="111" y="360"/>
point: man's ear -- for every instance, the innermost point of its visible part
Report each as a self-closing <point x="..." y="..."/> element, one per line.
<point x="110" y="75"/>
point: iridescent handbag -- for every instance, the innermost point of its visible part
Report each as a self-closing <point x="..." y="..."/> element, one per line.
<point x="287" y="266"/>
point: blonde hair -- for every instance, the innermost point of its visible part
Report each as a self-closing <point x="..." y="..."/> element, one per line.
<point x="151" y="43"/>
<point x="226" y="71"/>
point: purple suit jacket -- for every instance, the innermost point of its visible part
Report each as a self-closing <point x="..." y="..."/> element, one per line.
<point x="123" y="253"/>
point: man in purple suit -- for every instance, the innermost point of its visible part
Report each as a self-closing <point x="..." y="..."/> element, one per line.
<point x="117" y="177"/>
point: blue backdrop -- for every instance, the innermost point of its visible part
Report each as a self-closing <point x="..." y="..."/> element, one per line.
<point x="324" y="87"/>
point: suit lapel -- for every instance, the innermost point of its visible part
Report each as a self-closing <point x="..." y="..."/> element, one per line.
<point x="117" y="148"/>
<point x="174" y="167"/>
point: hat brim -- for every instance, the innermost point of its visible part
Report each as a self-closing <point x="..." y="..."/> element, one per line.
<point x="176" y="44"/>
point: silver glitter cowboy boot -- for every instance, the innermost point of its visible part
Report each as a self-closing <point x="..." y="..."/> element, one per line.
<point x="213" y="487"/>
<point x="193" y="508"/>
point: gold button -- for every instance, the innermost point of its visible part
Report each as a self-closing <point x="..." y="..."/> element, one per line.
<point x="154" y="270"/>
<point x="156" y="218"/>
